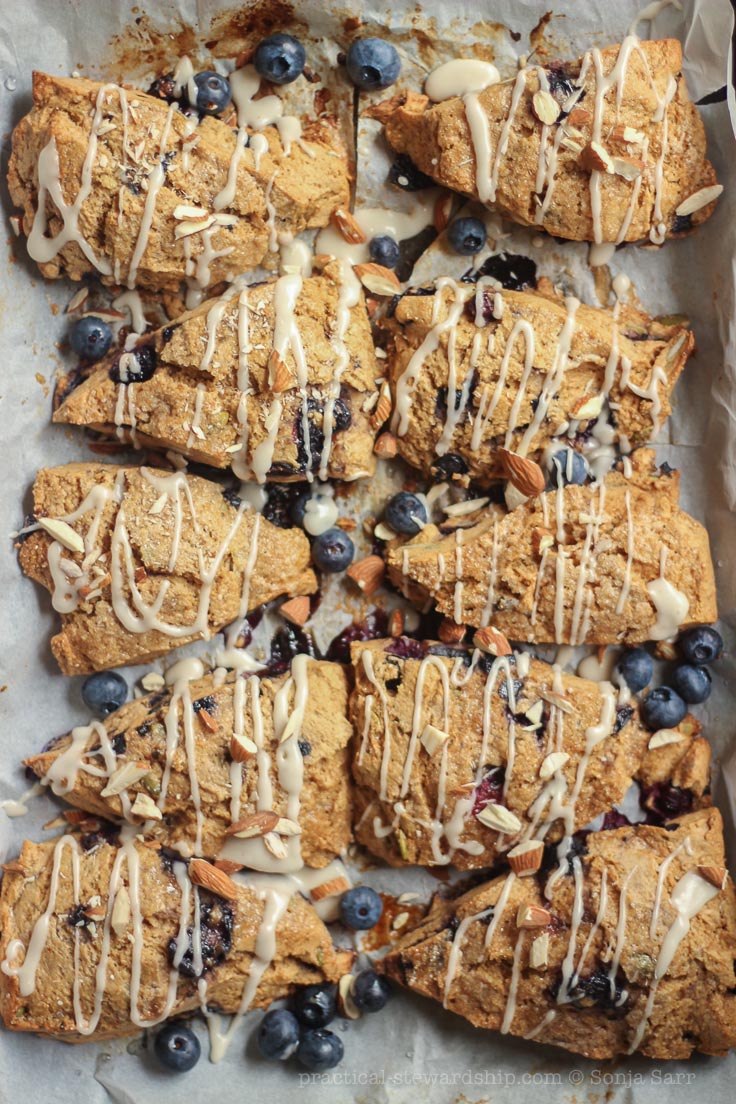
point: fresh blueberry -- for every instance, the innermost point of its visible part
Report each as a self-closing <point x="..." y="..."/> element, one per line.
<point x="467" y="235"/>
<point x="91" y="338"/>
<point x="320" y="1049"/>
<point x="384" y="250"/>
<point x="693" y="684"/>
<point x="280" y="59"/>
<point x="177" y="1047"/>
<point x="370" y="991"/>
<point x="341" y="416"/>
<point x="278" y="1035"/>
<point x="636" y="669"/>
<point x="104" y="692"/>
<point x="568" y="466"/>
<point x="373" y="64"/>
<point x="703" y="644"/>
<point x="213" y="93"/>
<point x="360" y="908"/>
<point x="662" y="708"/>
<point x="298" y="508"/>
<point x="315" y="1005"/>
<point x="406" y="514"/>
<point x="333" y="550"/>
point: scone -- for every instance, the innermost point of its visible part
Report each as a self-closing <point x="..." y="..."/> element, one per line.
<point x="630" y="949"/>
<point x="459" y="756"/>
<point x="270" y="380"/>
<point x="194" y="763"/>
<point x="100" y="943"/>
<point x="139" y="561"/>
<point x="607" y="563"/>
<point x="473" y="369"/>
<point x="117" y="183"/>
<point x="607" y="149"/>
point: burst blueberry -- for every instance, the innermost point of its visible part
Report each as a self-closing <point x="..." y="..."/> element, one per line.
<point x="104" y="692"/>
<point x="278" y="1035"/>
<point x="568" y="466"/>
<point x="91" y="338"/>
<point x="373" y="64"/>
<point x="360" y="908"/>
<point x="280" y="58"/>
<point x="370" y="992"/>
<point x="692" y="683"/>
<point x="177" y="1048"/>
<point x="636" y="669"/>
<point x="320" y="1049"/>
<point x="384" y="250"/>
<point x="702" y="644"/>
<point x="213" y="93"/>
<point x="315" y="1005"/>
<point x="662" y="708"/>
<point x="333" y="551"/>
<point x="406" y="513"/>
<point x="467" y="236"/>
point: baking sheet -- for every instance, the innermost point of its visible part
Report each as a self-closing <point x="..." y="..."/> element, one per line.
<point x="413" y="1051"/>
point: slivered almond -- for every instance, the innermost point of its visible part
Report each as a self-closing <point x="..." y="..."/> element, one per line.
<point x="558" y="700"/>
<point x="153" y="681"/>
<point x="698" y="200"/>
<point x="144" y="806"/>
<point x="293" y="725"/>
<point x="433" y="739"/>
<point x="539" y="952"/>
<point x="526" y="476"/>
<point x="331" y="888"/>
<point x="382" y="409"/>
<point x="77" y="300"/>
<point x="526" y="857"/>
<point x="627" y="134"/>
<point x="377" y="278"/>
<point x="63" y="533"/>
<point x="345" y="995"/>
<point x="241" y="747"/>
<point x="204" y="874"/>
<point x="346" y="224"/>
<point x="664" y="737"/>
<point x="296" y="610"/>
<point x="256" y="824"/>
<point x="367" y="574"/>
<point x="227" y="866"/>
<point x="532" y="916"/>
<point x="187" y="228"/>
<point x="120" y="918"/>
<point x="275" y="845"/>
<point x="542" y="539"/>
<point x="442" y="211"/>
<point x="491" y="641"/>
<point x="207" y="720"/>
<point x="716" y="875"/>
<point x="184" y="211"/>
<point x="279" y="376"/>
<point x="396" y="623"/>
<point x="595" y="159"/>
<point x="545" y="107"/>
<point x="451" y="633"/>
<point x="627" y="167"/>
<point x="126" y="775"/>
<point x="552" y="763"/>
<point x="467" y="506"/>
<point x="385" y="446"/>
<point x="499" y="818"/>
<point x="579" y="117"/>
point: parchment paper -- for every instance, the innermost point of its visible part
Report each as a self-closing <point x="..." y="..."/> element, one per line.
<point x="413" y="1052"/>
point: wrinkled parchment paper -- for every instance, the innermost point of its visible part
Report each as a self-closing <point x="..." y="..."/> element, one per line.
<point x="413" y="1052"/>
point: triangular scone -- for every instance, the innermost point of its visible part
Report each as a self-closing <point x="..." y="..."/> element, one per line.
<point x="119" y="214"/>
<point x="607" y="563"/>
<point x="99" y="943"/>
<point x="450" y="742"/>
<point x="609" y="158"/>
<point x="146" y="560"/>
<point x="632" y="948"/>
<point x="473" y="369"/>
<point x="199" y="758"/>
<point x="270" y="380"/>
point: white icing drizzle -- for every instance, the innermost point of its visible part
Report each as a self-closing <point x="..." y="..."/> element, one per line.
<point x="670" y="603"/>
<point x="156" y="178"/>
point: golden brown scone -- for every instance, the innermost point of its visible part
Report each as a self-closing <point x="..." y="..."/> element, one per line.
<point x="622" y="151"/>
<point x="199" y="794"/>
<point x="421" y="795"/>
<point x="132" y="911"/>
<point x="177" y="561"/>
<point x="675" y="777"/>
<point x="608" y="563"/>
<point x="620" y="990"/>
<point x="472" y="369"/>
<point x="117" y="216"/>
<point x="218" y="369"/>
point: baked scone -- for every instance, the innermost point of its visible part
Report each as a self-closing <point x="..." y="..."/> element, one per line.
<point x="473" y="369"/>
<point x="607" y="563"/>
<point x="269" y="380"/>
<point x="200" y="758"/>
<point x="631" y="949"/>
<point x="461" y="756"/>
<point x="139" y="561"/>
<point x="608" y="148"/>
<point x="104" y="176"/>
<point x="99" y="943"/>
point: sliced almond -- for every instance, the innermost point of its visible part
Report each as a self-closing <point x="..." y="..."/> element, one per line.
<point x="698" y="200"/>
<point x="296" y="610"/>
<point x="545" y="107"/>
<point x="377" y="278"/>
<point x="345" y="996"/>
<point x="570" y="144"/>
<point x="539" y="952"/>
<point x="286" y="827"/>
<point x="184" y="211"/>
<point x="275" y="845"/>
<point x="227" y="866"/>
<point x="333" y="887"/>
<point x="451" y="633"/>
<point x="433" y="739"/>
<point x="189" y="227"/>
<point x="279" y="376"/>
<point x="716" y="875"/>
<point x="256" y="824"/>
<point x="383" y="532"/>
<point x="13" y="867"/>
<point x="204" y="874"/>
<point x="595" y="159"/>
<point x="400" y="921"/>
<point x="627" y="167"/>
<point x="535" y="712"/>
<point x="664" y="737"/>
<point x="491" y="641"/>
<point x="627" y="134"/>
<point x="557" y="700"/>
<point x="382" y="409"/>
<point x="396" y="623"/>
<point x="526" y="857"/>
<point x="120" y="918"/>
<point x="587" y="408"/>
<point x="385" y="446"/>
<point x="367" y="574"/>
<point x="293" y="725"/>
<point x="542" y="539"/>
<point x="125" y="776"/>
<point x="442" y="211"/>
<point x="241" y="747"/>
<point x="347" y="225"/>
<point x="552" y="763"/>
<point x="579" y="117"/>
<point x="77" y="300"/>
<point x="153" y="681"/>
<point x="532" y="916"/>
<point x="63" y="533"/>
<point x="525" y="475"/>
<point x="207" y="721"/>
<point x="144" y="806"/>
<point x="468" y="506"/>
<point x="499" y="818"/>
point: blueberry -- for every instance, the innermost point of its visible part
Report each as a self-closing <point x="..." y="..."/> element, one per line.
<point x="373" y="64"/>
<point x="568" y="466"/>
<point x="703" y="644"/>
<point x="693" y="684"/>
<point x="467" y="235"/>
<point x="278" y="1035"/>
<point x="320" y="1049"/>
<point x="280" y="59"/>
<point x="104" y="692"/>
<point x="333" y="550"/>
<point x="315" y="1005"/>
<point x="636" y="669"/>
<point x="447" y="466"/>
<point x="662" y="708"/>
<point x="177" y="1048"/>
<point x="91" y="338"/>
<point x="298" y="508"/>
<point x="213" y="93"/>
<point x="360" y="908"/>
<point x="384" y="250"/>
<point x="370" y="991"/>
<point x="341" y="416"/>
<point x="406" y="514"/>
